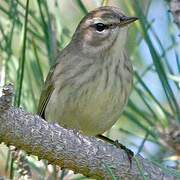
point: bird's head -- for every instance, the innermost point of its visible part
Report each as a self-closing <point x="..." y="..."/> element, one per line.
<point x="101" y="29"/>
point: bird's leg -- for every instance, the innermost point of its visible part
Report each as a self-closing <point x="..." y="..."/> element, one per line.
<point x="130" y="154"/>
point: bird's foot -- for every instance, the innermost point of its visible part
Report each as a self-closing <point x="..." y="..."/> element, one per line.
<point x="129" y="153"/>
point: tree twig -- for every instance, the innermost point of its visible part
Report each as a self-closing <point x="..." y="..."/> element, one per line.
<point x="175" y="9"/>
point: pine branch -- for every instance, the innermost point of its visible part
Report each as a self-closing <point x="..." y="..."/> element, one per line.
<point x="175" y="9"/>
<point x="67" y="148"/>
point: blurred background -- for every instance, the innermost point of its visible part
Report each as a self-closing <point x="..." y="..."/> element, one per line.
<point x="33" y="32"/>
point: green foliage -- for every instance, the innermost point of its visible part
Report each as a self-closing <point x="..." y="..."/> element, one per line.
<point x="32" y="33"/>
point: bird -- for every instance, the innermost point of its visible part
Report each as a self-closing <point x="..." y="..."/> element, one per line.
<point x="91" y="80"/>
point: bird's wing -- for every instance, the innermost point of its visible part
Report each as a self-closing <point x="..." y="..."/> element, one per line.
<point x="46" y="93"/>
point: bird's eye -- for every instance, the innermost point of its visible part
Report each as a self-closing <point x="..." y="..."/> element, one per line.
<point x="100" y="27"/>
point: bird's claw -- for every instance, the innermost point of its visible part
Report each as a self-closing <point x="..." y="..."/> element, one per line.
<point x="129" y="153"/>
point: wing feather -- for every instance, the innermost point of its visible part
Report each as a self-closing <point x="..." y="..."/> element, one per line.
<point x="46" y="93"/>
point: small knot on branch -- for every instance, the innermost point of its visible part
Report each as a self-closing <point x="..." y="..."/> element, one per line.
<point x="6" y="98"/>
<point x="175" y="10"/>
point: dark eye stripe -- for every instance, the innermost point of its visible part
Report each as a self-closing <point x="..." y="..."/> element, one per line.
<point x="100" y="26"/>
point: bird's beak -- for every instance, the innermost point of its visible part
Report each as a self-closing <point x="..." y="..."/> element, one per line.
<point x="124" y="21"/>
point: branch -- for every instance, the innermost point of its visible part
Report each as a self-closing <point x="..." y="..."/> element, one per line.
<point x="67" y="148"/>
<point x="175" y="9"/>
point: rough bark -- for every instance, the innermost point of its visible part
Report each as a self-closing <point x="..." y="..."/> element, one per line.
<point x="67" y="148"/>
<point x="175" y="9"/>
